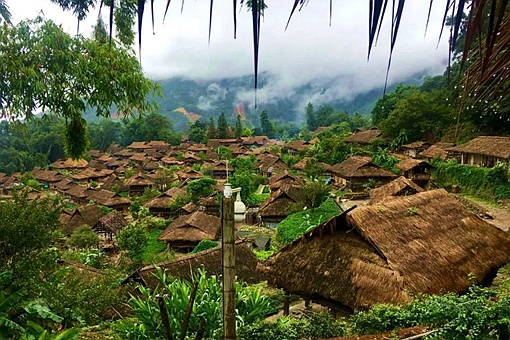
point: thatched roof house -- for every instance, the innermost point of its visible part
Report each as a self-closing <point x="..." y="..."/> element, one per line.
<point x="69" y="164"/>
<point x="138" y="183"/>
<point x="186" y="231"/>
<point x="363" y="137"/>
<point x="88" y="214"/>
<point x="269" y="164"/>
<point x="210" y="260"/>
<point x="276" y="207"/>
<point x="284" y="179"/>
<point x="356" y="171"/>
<point x="110" y="224"/>
<point x="297" y="146"/>
<point x="424" y="243"/>
<point x="416" y="170"/>
<point x="396" y="188"/>
<point x="301" y="165"/>
<point x="414" y="148"/>
<point x="483" y="151"/>
<point x="437" y="150"/>
<point x="160" y="205"/>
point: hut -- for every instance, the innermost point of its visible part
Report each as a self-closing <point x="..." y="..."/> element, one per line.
<point x="86" y="215"/>
<point x="416" y="170"/>
<point x="396" y="188"/>
<point x="413" y="149"/>
<point x="437" y="150"/>
<point x="109" y="225"/>
<point x="284" y="179"/>
<point x="276" y="207"/>
<point x="138" y="183"/>
<point x="364" y="137"/>
<point x="220" y="169"/>
<point x="356" y="172"/>
<point x="69" y="164"/>
<point x="210" y="260"/>
<point x="160" y="205"/>
<point x="269" y="165"/>
<point x="301" y="166"/>
<point x="483" y="151"/>
<point x="425" y="243"/>
<point x="186" y="231"/>
<point x="297" y="146"/>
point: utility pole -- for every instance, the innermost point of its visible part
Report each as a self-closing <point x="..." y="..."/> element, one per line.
<point x="228" y="259"/>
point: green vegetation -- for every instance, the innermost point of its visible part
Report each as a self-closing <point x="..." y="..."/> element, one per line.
<point x="83" y="237"/>
<point x="154" y="247"/>
<point x="487" y="183"/>
<point x="204" y="245"/>
<point x="298" y="223"/>
<point x="134" y="239"/>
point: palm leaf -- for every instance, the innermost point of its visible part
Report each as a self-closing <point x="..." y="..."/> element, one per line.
<point x="4" y="11"/>
<point x="210" y="21"/>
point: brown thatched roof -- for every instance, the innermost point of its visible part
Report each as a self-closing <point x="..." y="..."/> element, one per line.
<point x="279" y="201"/>
<point x="298" y="145"/>
<point x="360" y="166"/>
<point x="88" y="214"/>
<point x="194" y="228"/>
<point x="91" y="174"/>
<point x="138" y="145"/>
<point x="95" y="153"/>
<point x="301" y="165"/>
<point x="210" y="260"/>
<point x="69" y="164"/>
<point x="424" y="243"/>
<point x="495" y="146"/>
<point x="76" y="190"/>
<point x="408" y="164"/>
<point x="47" y="175"/>
<point x="363" y="137"/>
<point x="398" y="187"/>
<point x="416" y="145"/>
<point x="139" y="180"/>
<point x="164" y="200"/>
<point x="437" y="150"/>
<point x="284" y="179"/>
<point x="111" y="223"/>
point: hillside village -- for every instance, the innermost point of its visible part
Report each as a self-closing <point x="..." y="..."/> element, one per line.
<point x="366" y="234"/>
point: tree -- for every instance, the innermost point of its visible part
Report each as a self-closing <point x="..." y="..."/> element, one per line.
<point x="200" y="188"/>
<point x="65" y="75"/>
<point x="27" y="230"/>
<point x="197" y="132"/>
<point x="211" y="130"/>
<point x="239" y="127"/>
<point x="311" y="122"/>
<point x="134" y="239"/>
<point x="84" y="237"/>
<point x="5" y="14"/>
<point x="222" y="126"/>
<point x="104" y="134"/>
<point x="387" y="103"/>
<point x="314" y="193"/>
<point x="265" y="125"/>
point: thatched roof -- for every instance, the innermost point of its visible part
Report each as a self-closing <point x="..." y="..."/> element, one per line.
<point x="416" y="145"/>
<point x="139" y="180"/>
<point x="495" y="146"/>
<point x="91" y="174"/>
<point x="424" y="243"/>
<point x="76" y="191"/>
<point x="284" y="179"/>
<point x="47" y="175"/>
<point x="194" y="228"/>
<point x="210" y="260"/>
<point x="95" y="153"/>
<point x="164" y="200"/>
<point x="69" y="164"/>
<point x="272" y="164"/>
<point x="363" y="137"/>
<point x="437" y="150"/>
<point x="360" y="166"/>
<point x="301" y="165"/>
<point x="410" y="163"/>
<point x="279" y="201"/>
<point x="137" y="145"/>
<point x="398" y="187"/>
<point x="88" y="214"/>
<point x="111" y="223"/>
<point x="298" y="145"/>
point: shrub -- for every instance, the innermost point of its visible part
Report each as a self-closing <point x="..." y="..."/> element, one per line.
<point x="134" y="240"/>
<point x="204" y="245"/>
<point x="83" y="237"/>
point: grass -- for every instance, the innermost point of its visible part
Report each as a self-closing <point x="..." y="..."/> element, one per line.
<point x="154" y="247"/>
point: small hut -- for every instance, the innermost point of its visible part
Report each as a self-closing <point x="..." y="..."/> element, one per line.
<point x="210" y="260"/>
<point x="425" y="243"/>
<point x="109" y="225"/>
<point x="416" y="170"/>
<point x="185" y="232"/>
<point x="483" y="151"/>
<point x="276" y="207"/>
<point x="413" y="149"/>
<point x="284" y="179"/>
<point x="86" y="215"/>
<point x="396" y="188"/>
<point x="138" y="183"/>
<point x="363" y="137"/>
<point x="160" y="205"/>
<point x="437" y="150"/>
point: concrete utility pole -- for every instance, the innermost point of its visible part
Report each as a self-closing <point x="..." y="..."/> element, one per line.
<point x="229" y="258"/>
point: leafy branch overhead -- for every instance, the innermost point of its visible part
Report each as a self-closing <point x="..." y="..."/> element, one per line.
<point x="54" y="72"/>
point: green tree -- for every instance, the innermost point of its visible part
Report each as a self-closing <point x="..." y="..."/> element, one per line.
<point x="211" y="130"/>
<point x="200" y="188"/>
<point x="55" y="74"/>
<point x="388" y="102"/>
<point x="197" y="132"/>
<point x="104" y="134"/>
<point x="134" y="239"/>
<point x="244" y="180"/>
<point x="222" y="126"/>
<point x="315" y="192"/>
<point x="265" y="125"/>
<point x="239" y="127"/>
<point x="311" y="122"/>
<point x="27" y="230"/>
<point x="83" y="237"/>
<point x="5" y="14"/>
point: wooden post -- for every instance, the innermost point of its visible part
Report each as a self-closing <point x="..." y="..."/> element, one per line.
<point x="191" y="301"/>
<point x="164" y="318"/>
<point x="286" y="304"/>
<point x="229" y="275"/>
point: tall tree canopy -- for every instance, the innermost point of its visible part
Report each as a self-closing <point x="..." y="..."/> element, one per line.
<point x="42" y="68"/>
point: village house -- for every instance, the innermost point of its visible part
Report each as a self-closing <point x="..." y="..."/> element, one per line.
<point x="276" y="207"/>
<point x="416" y="170"/>
<point x="436" y="151"/>
<point x="425" y="243"/>
<point x="185" y="232"/>
<point x="210" y="260"/>
<point x="85" y="215"/>
<point x="69" y="164"/>
<point x="160" y="205"/>
<point x="284" y="179"/>
<point x="110" y="225"/>
<point x="358" y="172"/>
<point x="413" y="149"/>
<point x="483" y="151"/>
<point x="137" y="184"/>
<point x="297" y="146"/>
<point x="396" y="188"/>
<point x="363" y="137"/>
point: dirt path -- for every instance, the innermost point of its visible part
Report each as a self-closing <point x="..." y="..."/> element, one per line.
<point x="500" y="216"/>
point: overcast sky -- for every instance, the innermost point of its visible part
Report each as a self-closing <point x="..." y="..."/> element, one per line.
<point x="333" y="59"/>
